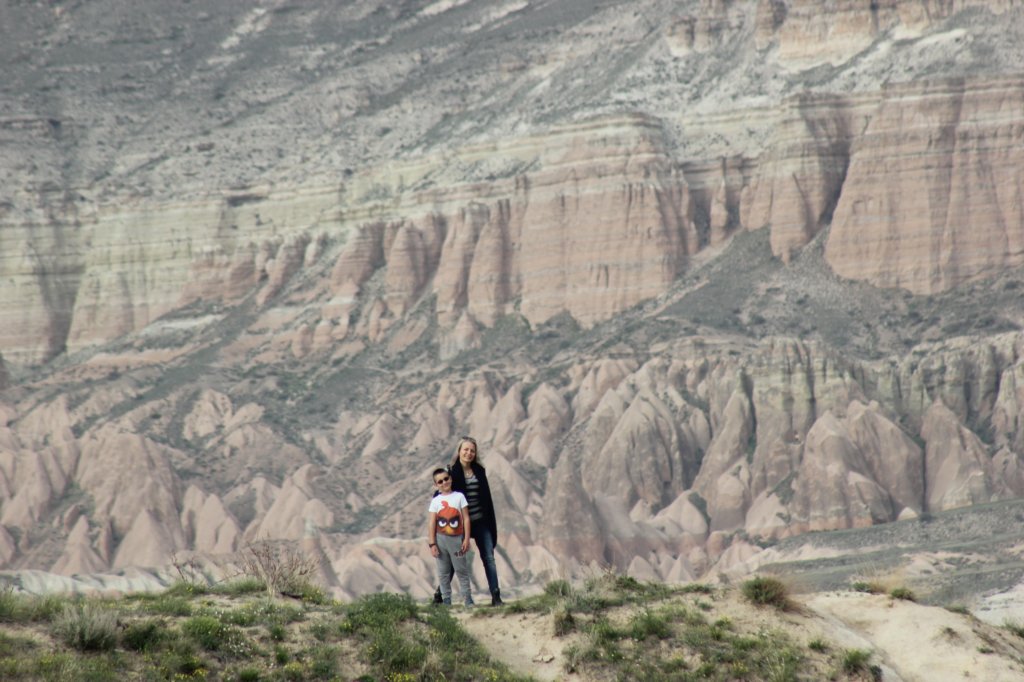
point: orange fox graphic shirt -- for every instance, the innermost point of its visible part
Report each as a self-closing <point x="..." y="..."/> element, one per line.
<point x="449" y="512"/>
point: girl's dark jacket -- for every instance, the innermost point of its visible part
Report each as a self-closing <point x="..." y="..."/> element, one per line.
<point x="459" y="484"/>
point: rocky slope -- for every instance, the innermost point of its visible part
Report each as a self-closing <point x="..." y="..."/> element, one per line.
<point x="699" y="276"/>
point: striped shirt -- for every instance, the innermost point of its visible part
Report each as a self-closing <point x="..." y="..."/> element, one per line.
<point x="476" y="509"/>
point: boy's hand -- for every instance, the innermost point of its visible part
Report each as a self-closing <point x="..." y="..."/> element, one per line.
<point x="465" y="545"/>
<point x="434" y="551"/>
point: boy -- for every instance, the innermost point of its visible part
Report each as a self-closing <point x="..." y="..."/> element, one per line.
<point x="448" y="531"/>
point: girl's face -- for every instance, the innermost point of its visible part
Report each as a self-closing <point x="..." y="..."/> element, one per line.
<point x="467" y="452"/>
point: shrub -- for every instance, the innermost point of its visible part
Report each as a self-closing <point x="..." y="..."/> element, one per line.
<point x="183" y="588"/>
<point x="698" y="588"/>
<point x="65" y="666"/>
<point x="646" y="624"/>
<point x="293" y="671"/>
<point x="572" y="656"/>
<point x="206" y="631"/>
<point x="558" y="588"/>
<point x="867" y="588"/>
<point x="248" y="675"/>
<point x="179" y="660"/>
<point x="818" y="644"/>
<point x="169" y="605"/>
<point x="86" y="627"/>
<point x="143" y="636"/>
<point x="627" y="583"/>
<point x="519" y="606"/>
<point x="319" y="630"/>
<point x="564" y="622"/>
<point x="241" y="587"/>
<point x="10" y="605"/>
<point x="307" y="592"/>
<point x="855" y="661"/>
<point x="265" y="611"/>
<point x="903" y="593"/>
<point x="23" y="608"/>
<point x="393" y="652"/>
<point x="283" y="571"/>
<point x="603" y="638"/>
<point x="1014" y="627"/>
<point x="277" y="632"/>
<point x="767" y="591"/>
<point x="378" y="610"/>
<point x="324" y="665"/>
<point x="444" y="629"/>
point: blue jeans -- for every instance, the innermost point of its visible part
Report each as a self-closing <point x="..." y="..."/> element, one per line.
<point x="481" y="534"/>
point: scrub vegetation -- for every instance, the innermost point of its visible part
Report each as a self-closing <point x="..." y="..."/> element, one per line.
<point x="609" y="627"/>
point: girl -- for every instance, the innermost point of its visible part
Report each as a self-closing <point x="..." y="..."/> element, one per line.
<point x="470" y="479"/>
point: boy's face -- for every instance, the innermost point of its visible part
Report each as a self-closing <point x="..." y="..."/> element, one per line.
<point x="443" y="482"/>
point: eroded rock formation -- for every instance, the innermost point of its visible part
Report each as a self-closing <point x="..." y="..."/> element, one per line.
<point x="200" y="352"/>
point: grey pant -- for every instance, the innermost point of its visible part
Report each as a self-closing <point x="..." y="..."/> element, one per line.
<point x="449" y="546"/>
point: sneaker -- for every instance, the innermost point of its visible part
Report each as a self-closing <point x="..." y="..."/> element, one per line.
<point x="469" y="604"/>
<point x="437" y="596"/>
<point x="496" y="598"/>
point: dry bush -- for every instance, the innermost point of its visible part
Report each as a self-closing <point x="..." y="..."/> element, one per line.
<point x="87" y="627"/>
<point x="283" y="570"/>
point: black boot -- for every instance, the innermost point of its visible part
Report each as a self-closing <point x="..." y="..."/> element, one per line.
<point x="437" y="595"/>
<point x="496" y="598"/>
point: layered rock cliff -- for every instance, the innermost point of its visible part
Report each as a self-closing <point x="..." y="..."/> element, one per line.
<point x="716" y="286"/>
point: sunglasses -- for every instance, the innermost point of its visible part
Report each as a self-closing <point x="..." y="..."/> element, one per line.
<point x="443" y="480"/>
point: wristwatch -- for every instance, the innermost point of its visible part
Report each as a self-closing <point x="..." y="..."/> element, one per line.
<point x="432" y="544"/>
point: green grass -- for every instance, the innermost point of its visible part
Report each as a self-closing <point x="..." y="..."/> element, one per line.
<point x="613" y="627"/>
<point x="623" y="629"/>
<point x="236" y="632"/>
<point x="14" y="645"/>
<point x="240" y="587"/>
<point x="22" y="608"/>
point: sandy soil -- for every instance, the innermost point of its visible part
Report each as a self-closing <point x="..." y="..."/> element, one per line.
<point x="921" y="643"/>
<point x="910" y="642"/>
<point x="525" y="642"/>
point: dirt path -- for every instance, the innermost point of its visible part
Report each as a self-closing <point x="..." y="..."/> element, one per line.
<point x="523" y="641"/>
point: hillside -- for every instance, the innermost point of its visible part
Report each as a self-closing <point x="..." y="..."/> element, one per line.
<point x="610" y="627"/>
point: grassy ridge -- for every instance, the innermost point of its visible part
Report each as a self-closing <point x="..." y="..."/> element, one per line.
<point x="618" y="628"/>
<point x="235" y="632"/>
<point x="610" y="627"/>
